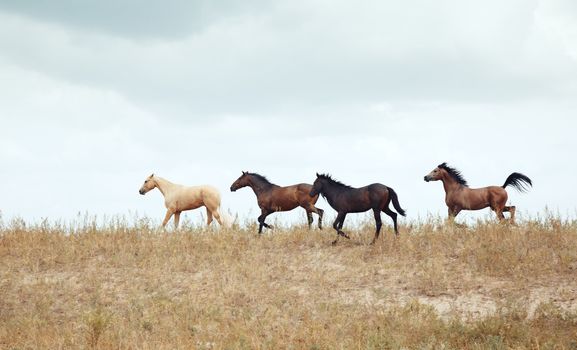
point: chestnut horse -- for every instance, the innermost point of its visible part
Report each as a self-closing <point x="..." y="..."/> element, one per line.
<point x="273" y="198"/>
<point x="458" y="195"/>
<point x="346" y="199"/>
<point x="178" y="198"/>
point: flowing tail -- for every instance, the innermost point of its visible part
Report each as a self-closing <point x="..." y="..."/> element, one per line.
<point x="395" y="200"/>
<point x="518" y="181"/>
<point x="227" y="220"/>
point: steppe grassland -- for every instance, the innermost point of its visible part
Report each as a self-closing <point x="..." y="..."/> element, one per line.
<point x="128" y="285"/>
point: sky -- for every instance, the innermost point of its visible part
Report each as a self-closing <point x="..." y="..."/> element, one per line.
<point x="95" y="96"/>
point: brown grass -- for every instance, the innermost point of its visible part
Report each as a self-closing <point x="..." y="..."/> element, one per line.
<point x="131" y="286"/>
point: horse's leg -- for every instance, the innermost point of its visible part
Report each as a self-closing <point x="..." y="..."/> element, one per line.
<point x="169" y="213"/>
<point x="176" y="219"/>
<point x="453" y="212"/>
<point x="217" y="216"/>
<point x="320" y="212"/>
<point x="378" y="223"/>
<point x="309" y="207"/>
<point x="310" y="218"/>
<point x="263" y="215"/>
<point x="342" y="221"/>
<point x="498" y="208"/>
<point x="208" y="217"/>
<point x="338" y="224"/>
<point x="500" y="215"/>
<point x="511" y="210"/>
<point x="340" y="231"/>
<point x="393" y="216"/>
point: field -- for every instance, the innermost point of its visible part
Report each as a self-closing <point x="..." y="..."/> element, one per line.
<point x="129" y="285"/>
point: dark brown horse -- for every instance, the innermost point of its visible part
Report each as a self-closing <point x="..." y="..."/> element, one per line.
<point x="345" y="199"/>
<point x="458" y="195"/>
<point x="272" y="198"/>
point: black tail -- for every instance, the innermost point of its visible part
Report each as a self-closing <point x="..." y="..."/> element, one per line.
<point x="395" y="200"/>
<point x="519" y="181"/>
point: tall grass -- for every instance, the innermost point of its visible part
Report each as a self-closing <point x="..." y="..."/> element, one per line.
<point x="129" y="285"/>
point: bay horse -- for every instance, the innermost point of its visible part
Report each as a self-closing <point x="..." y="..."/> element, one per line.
<point x="346" y="199"/>
<point x="458" y="195"/>
<point x="178" y="198"/>
<point x="273" y="198"/>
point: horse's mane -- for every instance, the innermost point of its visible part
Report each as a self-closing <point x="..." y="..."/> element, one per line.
<point x="333" y="181"/>
<point x="455" y="174"/>
<point x="261" y="178"/>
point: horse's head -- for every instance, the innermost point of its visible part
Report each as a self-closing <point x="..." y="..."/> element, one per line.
<point x="241" y="182"/>
<point x="317" y="186"/>
<point x="435" y="175"/>
<point x="149" y="184"/>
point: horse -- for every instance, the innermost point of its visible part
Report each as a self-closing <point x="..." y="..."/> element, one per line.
<point x="272" y="198"/>
<point x="458" y="195"/>
<point x="346" y="199"/>
<point x="178" y="198"/>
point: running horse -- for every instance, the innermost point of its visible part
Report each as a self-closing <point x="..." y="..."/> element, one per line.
<point x="346" y="199"/>
<point x="273" y="198"/>
<point x="178" y="198"/>
<point x="458" y="195"/>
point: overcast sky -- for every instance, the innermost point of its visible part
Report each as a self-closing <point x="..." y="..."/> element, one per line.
<point x="95" y="96"/>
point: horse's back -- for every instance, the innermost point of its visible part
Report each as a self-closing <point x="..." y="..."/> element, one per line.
<point x="377" y="187"/>
<point x="304" y="191"/>
<point x="304" y="188"/>
<point x="210" y="191"/>
<point x="498" y="194"/>
<point x="203" y="193"/>
<point x="378" y="193"/>
<point x="297" y="194"/>
<point x="495" y="191"/>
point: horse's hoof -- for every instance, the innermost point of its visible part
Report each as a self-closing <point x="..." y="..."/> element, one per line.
<point x="334" y="242"/>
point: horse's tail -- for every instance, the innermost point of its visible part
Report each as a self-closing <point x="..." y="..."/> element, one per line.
<point x="395" y="200"/>
<point x="518" y="181"/>
<point x="227" y="220"/>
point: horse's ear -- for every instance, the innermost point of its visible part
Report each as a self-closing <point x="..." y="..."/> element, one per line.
<point x="244" y="172"/>
<point x="151" y="176"/>
<point x="318" y="175"/>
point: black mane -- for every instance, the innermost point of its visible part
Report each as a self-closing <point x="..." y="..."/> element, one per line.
<point x="455" y="174"/>
<point x="333" y="181"/>
<point x="261" y="178"/>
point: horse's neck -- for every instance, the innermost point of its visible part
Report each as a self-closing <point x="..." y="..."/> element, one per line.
<point x="334" y="190"/>
<point x="165" y="186"/>
<point x="450" y="184"/>
<point x="259" y="186"/>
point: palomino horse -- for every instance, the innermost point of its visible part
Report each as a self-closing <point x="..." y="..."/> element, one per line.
<point x="458" y="195"/>
<point x="178" y="198"/>
<point x="345" y="199"/>
<point x="272" y="198"/>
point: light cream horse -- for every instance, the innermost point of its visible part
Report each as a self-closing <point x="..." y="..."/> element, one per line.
<point x="178" y="198"/>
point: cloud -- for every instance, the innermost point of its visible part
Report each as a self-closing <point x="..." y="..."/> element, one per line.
<point x="132" y="18"/>
<point x="295" y="55"/>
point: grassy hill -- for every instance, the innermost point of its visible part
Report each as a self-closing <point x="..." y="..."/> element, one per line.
<point x="132" y="286"/>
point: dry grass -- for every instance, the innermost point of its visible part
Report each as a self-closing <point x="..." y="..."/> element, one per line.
<point x="131" y="286"/>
